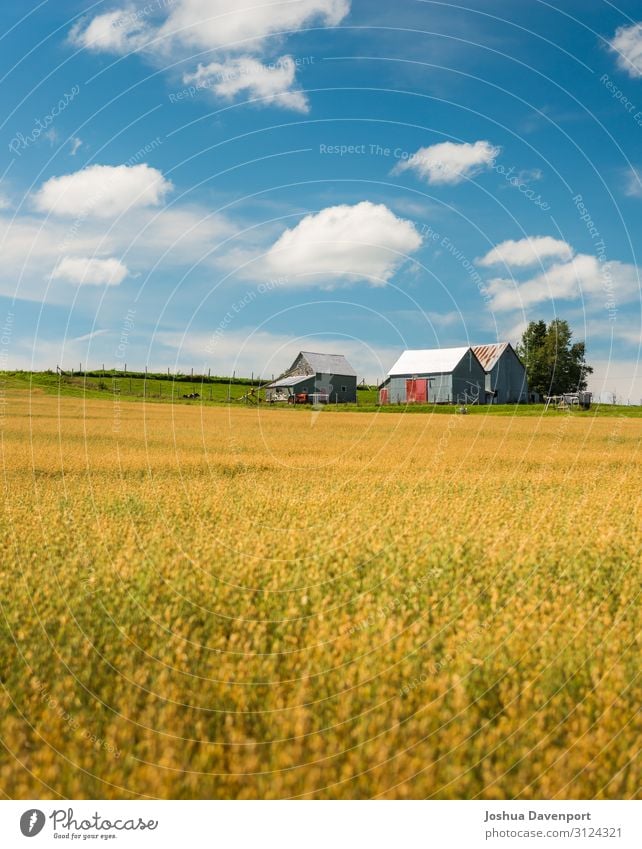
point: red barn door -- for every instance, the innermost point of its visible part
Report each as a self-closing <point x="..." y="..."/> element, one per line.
<point x="416" y="390"/>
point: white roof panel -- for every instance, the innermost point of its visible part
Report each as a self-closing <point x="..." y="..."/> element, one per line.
<point x="289" y="381"/>
<point x="428" y="361"/>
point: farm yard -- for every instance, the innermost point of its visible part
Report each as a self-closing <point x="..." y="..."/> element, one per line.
<point x="245" y="392"/>
<point x="226" y="601"/>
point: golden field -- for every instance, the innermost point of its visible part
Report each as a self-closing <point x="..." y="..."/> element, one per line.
<point x="227" y="602"/>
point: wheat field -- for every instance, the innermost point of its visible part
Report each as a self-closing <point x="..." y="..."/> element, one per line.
<point x="204" y="602"/>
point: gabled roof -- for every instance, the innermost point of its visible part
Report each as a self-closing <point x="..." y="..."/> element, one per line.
<point x="428" y="361"/>
<point x="328" y="363"/>
<point x="488" y="355"/>
<point x="288" y="381"/>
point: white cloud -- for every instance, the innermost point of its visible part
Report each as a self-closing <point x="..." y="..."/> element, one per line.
<point x="236" y="29"/>
<point x="186" y="233"/>
<point x="583" y="276"/>
<point x="625" y="332"/>
<point x="5" y="203"/>
<point x="103" y="191"/>
<point x="569" y="277"/>
<point x="41" y="353"/>
<point x="75" y="143"/>
<point x="242" y="350"/>
<point x="634" y="183"/>
<point x="51" y="136"/>
<point x="273" y="82"/>
<point x="172" y="237"/>
<point x="239" y="27"/>
<point x="627" y="43"/>
<point x="450" y="163"/>
<point x="529" y="175"/>
<point x="204" y="24"/>
<point x="619" y="376"/>
<point x="90" y="271"/>
<point x="366" y="241"/>
<point x="525" y="252"/>
<point x="86" y="337"/>
<point x="118" y="31"/>
<point x="245" y="350"/>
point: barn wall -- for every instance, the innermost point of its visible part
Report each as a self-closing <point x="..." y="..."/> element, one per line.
<point x="330" y="383"/>
<point x="333" y="383"/>
<point x="508" y="379"/>
<point x="469" y="381"/>
<point x="350" y="382"/>
<point x="397" y="390"/>
<point x="299" y="366"/>
<point x="304" y="386"/>
<point x="439" y="388"/>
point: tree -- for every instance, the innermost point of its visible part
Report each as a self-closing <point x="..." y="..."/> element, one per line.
<point x="554" y="364"/>
<point x="531" y="353"/>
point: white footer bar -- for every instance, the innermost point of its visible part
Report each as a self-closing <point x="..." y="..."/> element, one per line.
<point x="321" y="825"/>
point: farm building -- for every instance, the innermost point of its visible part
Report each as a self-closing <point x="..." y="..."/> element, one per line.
<point x="315" y="378"/>
<point x="505" y="373"/>
<point x="435" y="376"/>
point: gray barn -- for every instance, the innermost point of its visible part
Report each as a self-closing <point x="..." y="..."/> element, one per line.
<point x="314" y="377"/>
<point x="435" y="376"/>
<point x="505" y="374"/>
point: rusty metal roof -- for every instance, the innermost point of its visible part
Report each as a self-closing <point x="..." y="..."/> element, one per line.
<point x="488" y="355"/>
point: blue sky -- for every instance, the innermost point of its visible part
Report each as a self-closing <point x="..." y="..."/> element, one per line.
<point x="219" y="185"/>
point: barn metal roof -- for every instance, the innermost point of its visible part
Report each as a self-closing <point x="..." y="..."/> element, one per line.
<point x="288" y="381"/>
<point x="428" y="361"/>
<point x="329" y="363"/>
<point x="488" y="355"/>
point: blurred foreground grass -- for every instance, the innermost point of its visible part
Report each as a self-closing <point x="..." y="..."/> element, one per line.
<point x="206" y="602"/>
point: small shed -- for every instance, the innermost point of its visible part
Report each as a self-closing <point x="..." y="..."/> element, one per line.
<point x="315" y="377"/>
<point x="435" y="376"/>
<point x="505" y="381"/>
